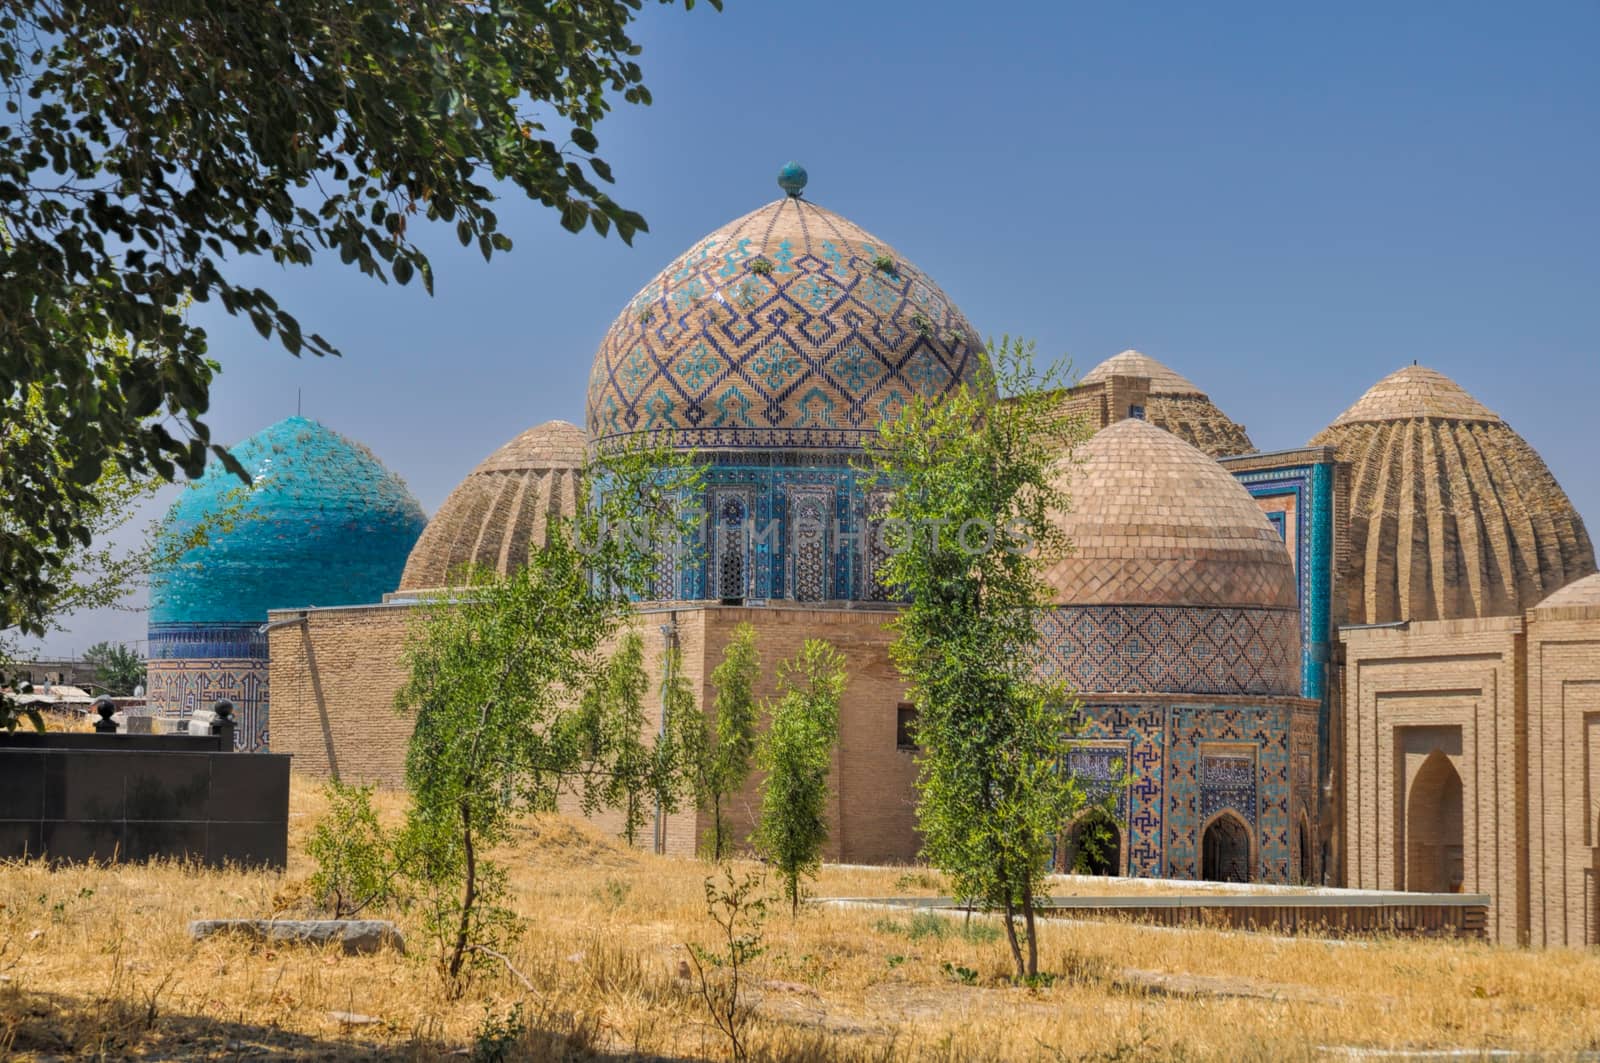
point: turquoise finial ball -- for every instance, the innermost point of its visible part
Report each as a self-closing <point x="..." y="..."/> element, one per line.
<point x="792" y="179"/>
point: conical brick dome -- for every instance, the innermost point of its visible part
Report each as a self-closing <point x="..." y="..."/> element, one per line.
<point x="1452" y="513"/>
<point x="502" y="510"/>
<point x="1177" y="404"/>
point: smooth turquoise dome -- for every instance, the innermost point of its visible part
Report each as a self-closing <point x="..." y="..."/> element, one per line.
<point x="324" y="523"/>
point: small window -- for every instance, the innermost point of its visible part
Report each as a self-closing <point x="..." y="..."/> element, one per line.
<point x="1136" y="412"/>
<point x="905" y="726"/>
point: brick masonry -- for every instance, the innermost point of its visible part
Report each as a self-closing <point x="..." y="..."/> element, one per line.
<point x="338" y="671"/>
<point x="1425" y="706"/>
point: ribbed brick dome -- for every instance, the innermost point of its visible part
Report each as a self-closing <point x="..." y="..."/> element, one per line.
<point x="791" y="327"/>
<point x="1156" y="522"/>
<point x="1452" y="513"/>
<point x="502" y="510"/>
<point x="1177" y="404"/>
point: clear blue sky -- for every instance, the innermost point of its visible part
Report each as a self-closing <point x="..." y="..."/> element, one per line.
<point x="1282" y="204"/>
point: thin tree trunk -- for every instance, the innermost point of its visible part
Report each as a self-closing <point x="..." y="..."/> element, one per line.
<point x="1032" y="930"/>
<point x="1011" y="936"/>
<point x="716" y="828"/>
<point x="469" y="895"/>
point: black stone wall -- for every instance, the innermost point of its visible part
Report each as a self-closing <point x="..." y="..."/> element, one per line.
<point x="116" y="797"/>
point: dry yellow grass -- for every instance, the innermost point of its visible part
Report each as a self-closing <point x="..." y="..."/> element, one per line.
<point x="97" y="963"/>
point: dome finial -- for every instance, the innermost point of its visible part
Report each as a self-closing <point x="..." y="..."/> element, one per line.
<point x="792" y="179"/>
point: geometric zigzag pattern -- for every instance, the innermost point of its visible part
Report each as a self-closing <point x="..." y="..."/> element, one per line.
<point x="789" y="327"/>
<point x="1172" y="649"/>
<point x="1186" y="764"/>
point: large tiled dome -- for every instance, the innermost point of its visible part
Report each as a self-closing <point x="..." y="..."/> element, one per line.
<point x="323" y="523"/>
<point x="1452" y="513"/>
<point x="1175" y="581"/>
<point x="502" y="510"/>
<point x="1154" y="521"/>
<point x="1177" y="404"/>
<point x="788" y="327"/>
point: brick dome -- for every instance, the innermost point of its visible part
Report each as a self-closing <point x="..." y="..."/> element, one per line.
<point x="1156" y="522"/>
<point x="502" y="510"/>
<point x="1452" y="513"/>
<point x="1580" y="597"/>
<point x="791" y="327"/>
<point x="1177" y="404"/>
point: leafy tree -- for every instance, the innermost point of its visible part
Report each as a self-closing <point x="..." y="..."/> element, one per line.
<point x="99" y="570"/>
<point x="629" y="772"/>
<point x="1093" y="844"/>
<point x="729" y="743"/>
<point x="116" y="668"/>
<point x="494" y="676"/>
<point x="796" y="754"/>
<point x="353" y="853"/>
<point x="150" y="150"/>
<point x="975" y="493"/>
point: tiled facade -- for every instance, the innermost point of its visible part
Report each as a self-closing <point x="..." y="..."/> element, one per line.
<point x="1187" y="761"/>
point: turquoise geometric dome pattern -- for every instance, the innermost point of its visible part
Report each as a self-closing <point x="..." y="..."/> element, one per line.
<point x="789" y="327"/>
<point x="324" y="523"/>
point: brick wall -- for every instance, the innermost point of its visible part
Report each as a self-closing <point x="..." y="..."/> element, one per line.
<point x="337" y="672"/>
<point x="1564" y="774"/>
<point x="1439" y="691"/>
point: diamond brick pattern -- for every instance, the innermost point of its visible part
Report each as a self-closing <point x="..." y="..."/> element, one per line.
<point x="788" y="327"/>
<point x="1154" y="521"/>
<point x="1172" y="649"/>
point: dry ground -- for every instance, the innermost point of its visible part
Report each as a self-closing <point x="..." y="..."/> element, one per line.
<point x="96" y="963"/>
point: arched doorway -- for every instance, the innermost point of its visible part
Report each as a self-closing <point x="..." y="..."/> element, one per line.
<point x="1225" y="850"/>
<point x="1435" y="836"/>
<point x="1093" y="846"/>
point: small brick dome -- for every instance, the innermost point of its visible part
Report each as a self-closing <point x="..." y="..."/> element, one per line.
<point x="790" y="327"/>
<point x="1156" y="522"/>
<point x="502" y="510"/>
<point x="1581" y="596"/>
<point x="1177" y="404"/>
<point x="1452" y="514"/>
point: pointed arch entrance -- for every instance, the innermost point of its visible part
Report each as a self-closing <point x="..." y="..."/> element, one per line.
<point x="1435" y="834"/>
<point x="1225" y="849"/>
<point x="1092" y="846"/>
